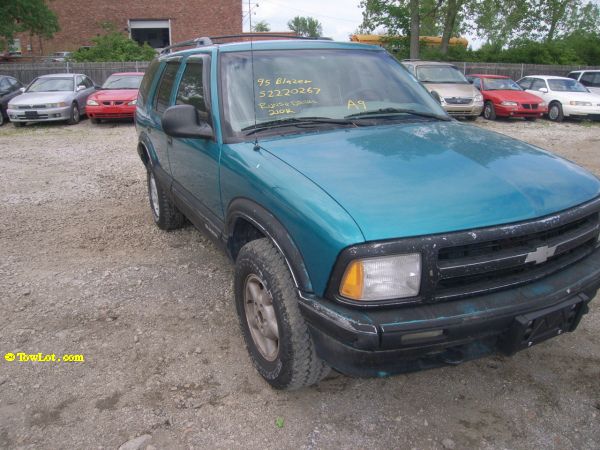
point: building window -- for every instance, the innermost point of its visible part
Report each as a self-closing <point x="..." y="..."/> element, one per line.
<point x="156" y="33"/>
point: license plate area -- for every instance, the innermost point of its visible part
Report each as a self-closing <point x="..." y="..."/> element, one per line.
<point x="31" y="114"/>
<point x="538" y="326"/>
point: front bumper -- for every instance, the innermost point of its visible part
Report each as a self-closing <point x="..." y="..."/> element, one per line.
<point x="589" y="112"/>
<point x="373" y="342"/>
<point x="518" y="111"/>
<point x="39" y="115"/>
<point x="110" y="112"/>
<point x="472" y="109"/>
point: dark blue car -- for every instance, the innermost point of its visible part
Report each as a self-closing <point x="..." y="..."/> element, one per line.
<point x="370" y="232"/>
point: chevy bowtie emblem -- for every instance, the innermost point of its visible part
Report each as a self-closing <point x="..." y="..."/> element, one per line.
<point x="541" y="254"/>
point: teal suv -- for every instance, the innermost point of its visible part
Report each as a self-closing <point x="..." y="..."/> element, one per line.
<point x="371" y="233"/>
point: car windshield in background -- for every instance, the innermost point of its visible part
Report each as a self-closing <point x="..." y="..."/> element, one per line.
<point x="330" y="87"/>
<point x="51" y="85"/>
<point x="440" y="74"/>
<point x="566" y="86"/>
<point x="123" y="82"/>
<point x="500" y="84"/>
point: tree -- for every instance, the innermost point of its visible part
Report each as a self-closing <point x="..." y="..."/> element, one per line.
<point x="261" y="27"/>
<point x="30" y="16"/>
<point x="306" y="26"/>
<point x="114" y="46"/>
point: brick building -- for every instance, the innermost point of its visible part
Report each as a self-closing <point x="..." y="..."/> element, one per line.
<point x="158" y="22"/>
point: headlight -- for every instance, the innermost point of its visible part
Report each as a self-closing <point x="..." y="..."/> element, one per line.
<point x="91" y="102"/>
<point x="507" y="103"/>
<point x="382" y="278"/>
<point x="478" y="98"/>
<point x="132" y="102"/>
<point x="580" y="103"/>
<point x="55" y="105"/>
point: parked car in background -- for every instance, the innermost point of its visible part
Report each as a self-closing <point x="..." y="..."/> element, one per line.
<point x="370" y="232"/>
<point x="54" y="97"/>
<point x="9" y="89"/>
<point x="59" y="56"/>
<point x="447" y="84"/>
<point x="502" y="97"/>
<point x="565" y="97"/>
<point x="116" y="99"/>
<point x="589" y="78"/>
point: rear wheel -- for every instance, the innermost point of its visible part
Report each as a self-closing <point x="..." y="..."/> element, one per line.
<point x="276" y="335"/>
<point x="166" y="216"/>
<point x="75" y="116"/>
<point x="489" y="112"/>
<point x="555" y="112"/>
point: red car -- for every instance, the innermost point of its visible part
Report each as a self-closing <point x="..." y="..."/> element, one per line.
<point x="116" y="99"/>
<point x="503" y="97"/>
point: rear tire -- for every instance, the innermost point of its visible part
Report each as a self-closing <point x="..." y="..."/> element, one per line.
<point x="489" y="112"/>
<point x="276" y="335"/>
<point x="165" y="214"/>
<point x="75" y="115"/>
<point x="555" y="112"/>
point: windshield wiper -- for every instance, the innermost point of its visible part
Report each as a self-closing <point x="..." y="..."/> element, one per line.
<point x="391" y="112"/>
<point x="295" y="121"/>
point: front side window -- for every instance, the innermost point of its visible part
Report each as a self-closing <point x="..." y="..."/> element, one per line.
<point x="525" y="83"/>
<point x="538" y="84"/>
<point x="192" y="87"/>
<point x="440" y="74"/>
<point x="564" y="85"/>
<point x="163" y="95"/>
<point x="317" y="84"/>
<point x="51" y="85"/>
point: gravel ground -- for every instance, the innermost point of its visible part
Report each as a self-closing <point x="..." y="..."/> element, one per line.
<point x="83" y="270"/>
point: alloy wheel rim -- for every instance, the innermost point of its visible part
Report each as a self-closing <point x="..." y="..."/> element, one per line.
<point x="261" y="318"/>
<point x="154" y="196"/>
<point x="553" y="112"/>
<point x="75" y="114"/>
<point x="487" y="112"/>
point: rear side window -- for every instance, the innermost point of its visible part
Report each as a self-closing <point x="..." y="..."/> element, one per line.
<point x="147" y="81"/>
<point x="163" y="94"/>
<point x="192" y="87"/>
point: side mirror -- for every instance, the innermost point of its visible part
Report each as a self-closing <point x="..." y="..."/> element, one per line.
<point x="182" y="121"/>
<point x="22" y="90"/>
<point x="81" y="87"/>
<point x="544" y="90"/>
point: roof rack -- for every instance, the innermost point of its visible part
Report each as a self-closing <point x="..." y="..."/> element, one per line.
<point x="204" y="41"/>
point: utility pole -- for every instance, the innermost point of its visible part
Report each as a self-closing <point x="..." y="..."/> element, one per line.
<point x="414" y="29"/>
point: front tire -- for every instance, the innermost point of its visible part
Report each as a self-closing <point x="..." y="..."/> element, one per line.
<point x="489" y="112"/>
<point x="75" y="115"/>
<point x="1" y="117"/>
<point x="276" y="335"/>
<point x="165" y="214"/>
<point x="555" y="112"/>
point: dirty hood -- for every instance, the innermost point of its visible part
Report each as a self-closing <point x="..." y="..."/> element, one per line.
<point x="423" y="178"/>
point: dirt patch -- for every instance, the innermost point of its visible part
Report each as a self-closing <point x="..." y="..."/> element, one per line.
<point x="83" y="270"/>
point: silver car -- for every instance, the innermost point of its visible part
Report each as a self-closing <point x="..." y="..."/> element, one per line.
<point x="54" y="97"/>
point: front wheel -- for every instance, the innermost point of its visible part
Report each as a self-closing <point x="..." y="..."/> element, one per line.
<point x="555" y="112"/>
<point x="276" y="335"/>
<point x="75" y="116"/>
<point x="489" y="112"/>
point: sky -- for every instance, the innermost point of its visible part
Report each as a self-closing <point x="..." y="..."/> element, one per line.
<point x="340" y="18"/>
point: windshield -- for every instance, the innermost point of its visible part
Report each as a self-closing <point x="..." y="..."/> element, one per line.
<point x="123" y="82"/>
<point x="500" y="84"/>
<point x="440" y="74"/>
<point x="566" y="85"/>
<point x="51" y="85"/>
<point x="328" y="85"/>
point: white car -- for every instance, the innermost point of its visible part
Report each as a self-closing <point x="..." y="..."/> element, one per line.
<point x="589" y="78"/>
<point x="565" y="97"/>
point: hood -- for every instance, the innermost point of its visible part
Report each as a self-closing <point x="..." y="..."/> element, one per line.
<point x="115" y="94"/>
<point x="35" y="98"/>
<point x="425" y="178"/>
<point x="513" y="96"/>
<point x="452" y="90"/>
<point x="577" y="96"/>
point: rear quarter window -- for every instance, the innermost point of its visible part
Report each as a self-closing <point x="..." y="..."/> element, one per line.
<point x="147" y="82"/>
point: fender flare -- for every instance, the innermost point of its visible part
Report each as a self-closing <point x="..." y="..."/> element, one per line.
<point x="267" y="223"/>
